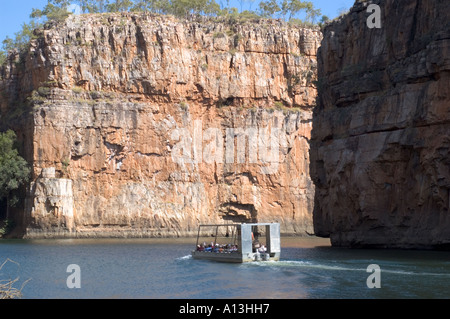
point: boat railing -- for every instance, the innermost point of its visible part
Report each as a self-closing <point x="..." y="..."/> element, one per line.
<point x="243" y="238"/>
<point x="238" y="242"/>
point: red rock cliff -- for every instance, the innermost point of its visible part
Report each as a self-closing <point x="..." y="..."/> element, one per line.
<point x="380" y="144"/>
<point x="143" y="125"/>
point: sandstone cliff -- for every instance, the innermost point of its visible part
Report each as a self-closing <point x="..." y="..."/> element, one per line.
<point x="381" y="131"/>
<point x="141" y="125"/>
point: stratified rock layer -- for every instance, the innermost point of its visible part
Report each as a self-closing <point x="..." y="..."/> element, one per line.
<point x="381" y="131"/>
<point x="160" y="125"/>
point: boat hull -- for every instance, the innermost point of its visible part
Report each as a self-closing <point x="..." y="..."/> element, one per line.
<point x="234" y="257"/>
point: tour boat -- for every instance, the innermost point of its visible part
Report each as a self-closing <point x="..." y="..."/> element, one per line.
<point x="238" y="243"/>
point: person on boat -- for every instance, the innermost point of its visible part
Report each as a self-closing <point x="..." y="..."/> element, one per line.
<point x="262" y="249"/>
<point x="256" y="245"/>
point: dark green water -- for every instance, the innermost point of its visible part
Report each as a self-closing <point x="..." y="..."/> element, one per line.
<point x="150" y="268"/>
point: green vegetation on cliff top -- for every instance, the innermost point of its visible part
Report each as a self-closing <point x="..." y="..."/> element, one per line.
<point x="58" y="10"/>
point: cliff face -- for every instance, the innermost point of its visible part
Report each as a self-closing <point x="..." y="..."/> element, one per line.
<point x="143" y="125"/>
<point x="380" y="144"/>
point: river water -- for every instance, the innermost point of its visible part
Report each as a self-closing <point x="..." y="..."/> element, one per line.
<point x="163" y="268"/>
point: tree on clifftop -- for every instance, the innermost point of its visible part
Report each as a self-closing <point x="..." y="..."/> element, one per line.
<point x="289" y="9"/>
<point x="298" y="12"/>
<point x="14" y="170"/>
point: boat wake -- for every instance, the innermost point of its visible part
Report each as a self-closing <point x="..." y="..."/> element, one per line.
<point x="313" y="265"/>
<point x="185" y="257"/>
<point x="329" y="267"/>
<point x="302" y="264"/>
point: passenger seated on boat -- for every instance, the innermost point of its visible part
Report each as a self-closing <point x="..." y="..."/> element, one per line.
<point x="255" y="245"/>
<point x="262" y="249"/>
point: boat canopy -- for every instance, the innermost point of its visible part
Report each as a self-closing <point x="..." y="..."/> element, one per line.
<point x="244" y="241"/>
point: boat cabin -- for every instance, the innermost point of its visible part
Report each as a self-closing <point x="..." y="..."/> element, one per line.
<point x="238" y="243"/>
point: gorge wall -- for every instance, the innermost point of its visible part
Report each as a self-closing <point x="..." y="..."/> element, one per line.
<point x="380" y="143"/>
<point x="142" y="126"/>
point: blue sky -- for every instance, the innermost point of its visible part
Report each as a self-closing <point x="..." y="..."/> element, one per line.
<point x="14" y="13"/>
